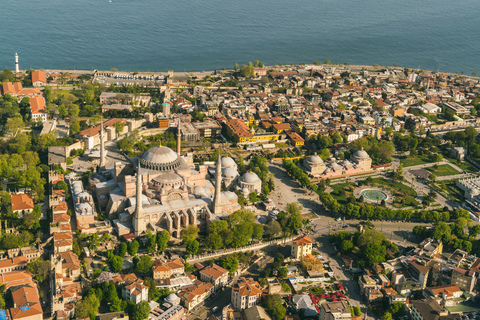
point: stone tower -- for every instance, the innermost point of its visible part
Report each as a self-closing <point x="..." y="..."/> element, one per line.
<point x="17" y="68"/>
<point x="139" y="219"/>
<point x="179" y="137"/>
<point x="102" y="146"/>
<point x="217" y="203"/>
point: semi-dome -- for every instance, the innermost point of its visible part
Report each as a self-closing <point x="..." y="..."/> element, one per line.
<point x="168" y="177"/>
<point x="229" y="172"/>
<point x="172" y="298"/>
<point x="361" y="154"/>
<point x="199" y="191"/>
<point x="228" y="162"/>
<point x="250" y="177"/>
<point x="160" y="158"/>
<point x="315" y="159"/>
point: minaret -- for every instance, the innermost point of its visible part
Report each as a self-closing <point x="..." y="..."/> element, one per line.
<point x="139" y="219"/>
<point x="217" y="206"/>
<point x="102" y="146"/>
<point x="179" y="137"/>
<point x="17" y="68"/>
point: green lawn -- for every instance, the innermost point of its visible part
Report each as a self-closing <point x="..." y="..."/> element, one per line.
<point x="399" y="191"/>
<point x="341" y="186"/>
<point x="443" y="170"/>
<point x="394" y="186"/>
<point x="409" y="161"/>
<point x="467" y="306"/>
<point x="467" y="167"/>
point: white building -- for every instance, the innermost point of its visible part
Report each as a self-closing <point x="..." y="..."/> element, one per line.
<point x="429" y="108"/>
<point x="135" y="292"/>
<point x="245" y="293"/>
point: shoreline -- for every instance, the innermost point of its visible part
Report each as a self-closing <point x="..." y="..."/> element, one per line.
<point x="219" y="71"/>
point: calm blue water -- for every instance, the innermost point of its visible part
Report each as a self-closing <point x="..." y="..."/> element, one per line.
<point x="184" y="35"/>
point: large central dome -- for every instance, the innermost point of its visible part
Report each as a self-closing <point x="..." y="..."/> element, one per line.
<point x="160" y="158"/>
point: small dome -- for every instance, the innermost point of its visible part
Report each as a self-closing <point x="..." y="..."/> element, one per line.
<point x="361" y="154"/>
<point x="199" y="191"/>
<point x="168" y="177"/>
<point x="334" y="165"/>
<point x="229" y="172"/>
<point x="315" y="159"/>
<point x="228" y="162"/>
<point x="245" y="191"/>
<point x="250" y="177"/>
<point x="172" y="298"/>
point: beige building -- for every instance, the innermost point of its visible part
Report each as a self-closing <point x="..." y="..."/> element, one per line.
<point x="13" y="264"/>
<point x="215" y="275"/>
<point x="363" y="160"/>
<point x="251" y="182"/>
<point x="464" y="279"/>
<point x="335" y="311"/>
<point x="166" y="269"/>
<point x="195" y="294"/>
<point x="301" y="247"/>
<point x="314" y="165"/>
<point x="245" y="293"/>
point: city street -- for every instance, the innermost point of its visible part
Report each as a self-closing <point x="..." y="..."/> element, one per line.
<point x="219" y="299"/>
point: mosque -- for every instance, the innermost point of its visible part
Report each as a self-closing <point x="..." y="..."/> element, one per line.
<point x="167" y="192"/>
<point x="317" y="168"/>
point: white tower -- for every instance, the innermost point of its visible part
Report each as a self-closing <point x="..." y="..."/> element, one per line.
<point x="217" y="203"/>
<point x="139" y="225"/>
<point x="17" y="68"/>
<point x="102" y="146"/>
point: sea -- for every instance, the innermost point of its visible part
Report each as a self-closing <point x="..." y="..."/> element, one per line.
<point x="197" y="35"/>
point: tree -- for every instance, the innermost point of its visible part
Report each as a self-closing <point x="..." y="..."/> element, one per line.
<point x="88" y="307"/>
<point x="218" y="226"/>
<point x="273" y="228"/>
<point x="162" y="239"/>
<point x="192" y="247"/>
<point x="235" y="67"/>
<point x="117" y="305"/>
<point x="346" y="246"/>
<point x="151" y="241"/>
<point x="189" y="233"/>
<point x="282" y="273"/>
<point x="144" y="264"/>
<point x="119" y="126"/>
<point x="257" y="231"/>
<point x="141" y="311"/>
<point x="294" y="221"/>
<point x="13" y="125"/>
<point x="117" y="263"/>
<point x="387" y="316"/>
<point x="356" y="311"/>
<point x="133" y="247"/>
<point x="397" y="309"/>
<point x="230" y="263"/>
<point x="441" y="232"/>
<point x="214" y="241"/>
<point x="40" y="269"/>
<point x="122" y="249"/>
<point x="373" y="253"/>
<point x="274" y="305"/>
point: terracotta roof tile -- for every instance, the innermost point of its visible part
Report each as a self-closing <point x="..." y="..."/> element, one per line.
<point x="22" y="201"/>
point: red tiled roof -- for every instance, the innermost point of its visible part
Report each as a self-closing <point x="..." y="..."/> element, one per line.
<point x="37" y="105"/>
<point x="39" y="76"/>
<point x="22" y="201"/>
<point x="302" y="240"/>
<point x="93" y="131"/>
<point x="214" y="271"/>
<point x="295" y="137"/>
